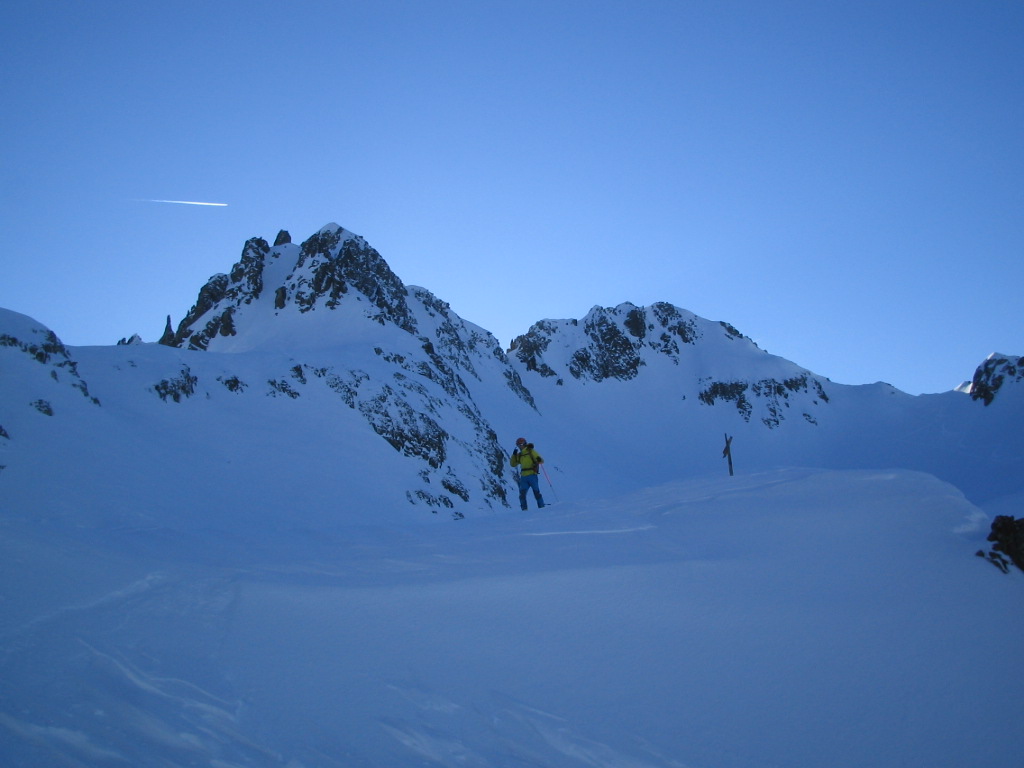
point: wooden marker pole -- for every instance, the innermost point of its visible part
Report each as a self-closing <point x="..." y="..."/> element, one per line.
<point x="727" y="453"/>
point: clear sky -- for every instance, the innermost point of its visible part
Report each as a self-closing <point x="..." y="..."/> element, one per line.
<point x="843" y="181"/>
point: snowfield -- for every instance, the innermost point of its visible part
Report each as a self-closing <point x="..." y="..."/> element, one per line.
<point x="288" y="537"/>
<point x="793" y="618"/>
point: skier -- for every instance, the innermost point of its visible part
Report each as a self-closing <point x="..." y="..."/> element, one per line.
<point x="528" y="460"/>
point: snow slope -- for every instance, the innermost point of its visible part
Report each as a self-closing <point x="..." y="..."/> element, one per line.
<point x="791" y="618"/>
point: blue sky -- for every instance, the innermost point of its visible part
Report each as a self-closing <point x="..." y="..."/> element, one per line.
<point x="842" y="181"/>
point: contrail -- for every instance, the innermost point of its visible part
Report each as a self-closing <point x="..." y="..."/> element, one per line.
<point x="185" y="202"/>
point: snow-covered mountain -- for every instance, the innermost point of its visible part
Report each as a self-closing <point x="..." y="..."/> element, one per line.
<point x="214" y="548"/>
<point x="324" y="335"/>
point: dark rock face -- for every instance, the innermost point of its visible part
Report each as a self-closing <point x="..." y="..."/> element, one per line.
<point x="167" y="339"/>
<point x="529" y="348"/>
<point x="993" y="374"/>
<point x="219" y="298"/>
<point x="330" y="264"/>
<point x="1008" y="537"/>
<point x="617" y="343"/>
<point x="773" y="394"/>
<point x="613" y="354"/>
<point x="675" y="329"/>
<point x="43" y="406"/>
<point x="178" y="387"/>
<point x="616" y="338"/>
<point x="209" y="295"/>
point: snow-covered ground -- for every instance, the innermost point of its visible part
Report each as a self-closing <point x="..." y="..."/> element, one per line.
<point x="302" y="549"/>
<point x="798" y="618"/>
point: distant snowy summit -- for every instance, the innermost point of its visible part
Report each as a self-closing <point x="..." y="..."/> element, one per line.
<point x="995" y="373"/>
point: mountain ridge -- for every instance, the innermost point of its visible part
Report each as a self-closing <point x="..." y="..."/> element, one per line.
<point x="327" y="321"/>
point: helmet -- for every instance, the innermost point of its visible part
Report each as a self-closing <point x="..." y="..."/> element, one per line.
<point x="521" y="441"/>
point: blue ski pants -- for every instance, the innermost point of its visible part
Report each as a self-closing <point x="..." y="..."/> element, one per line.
<point x="526" y="482"/>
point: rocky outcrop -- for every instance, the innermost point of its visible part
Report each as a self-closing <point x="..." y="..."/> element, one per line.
<point x="177" y="387"/>
<point x="995" y="373"/>
<point x="334" y="262"/>
<point x="1008" y="539"/>
<point x="617" y="343"/>
<point x="167" y="339"/>
<point x="328" y="266"/>
<point x="529" y="348"/>
<point x="774" y="396"/>
<point x="43" y="347"/>
<point x="614" y="341"/>
<point x="220" y="297"/>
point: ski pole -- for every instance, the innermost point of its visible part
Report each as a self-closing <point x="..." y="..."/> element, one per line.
<point x="548" y="478"/>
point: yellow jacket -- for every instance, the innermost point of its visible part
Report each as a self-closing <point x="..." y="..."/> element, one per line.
<point x="527" y="460"/>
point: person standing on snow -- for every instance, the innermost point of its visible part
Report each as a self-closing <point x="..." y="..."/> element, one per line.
<point x="526" y="458"/>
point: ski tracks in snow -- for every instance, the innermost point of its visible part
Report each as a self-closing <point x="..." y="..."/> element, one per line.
<point x="592" y="532"/>
<point x="508" y="733"/>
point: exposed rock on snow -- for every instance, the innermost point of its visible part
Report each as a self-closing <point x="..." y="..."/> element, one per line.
<point x="181" y="386"/>
<point x="993" y="374"/>
<point x="167" y="338"/>
<point x="773" y="394"/>
<point x="617" y="343"/>
<point x="609" y="343"/>
<point x="1008" y="535"/>
<point x="41" y="345"/>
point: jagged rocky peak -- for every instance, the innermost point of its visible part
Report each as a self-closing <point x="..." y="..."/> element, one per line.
<point x="611" y="342"/>
<point x="318" y="274"/>
<point x="333" y="261"/>
<point x="167" y="338"/>
<point x="995" y="373"/>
